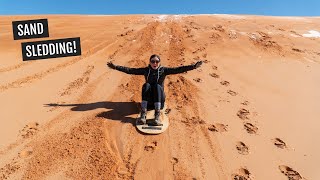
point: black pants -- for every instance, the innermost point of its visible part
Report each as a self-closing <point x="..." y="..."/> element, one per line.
<point x="153" y="93"/>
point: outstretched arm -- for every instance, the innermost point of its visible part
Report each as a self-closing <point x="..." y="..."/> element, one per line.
<point x="135" y="71"/>
<point x="181" y="69"/>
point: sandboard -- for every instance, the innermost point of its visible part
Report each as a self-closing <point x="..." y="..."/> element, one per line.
<point x="148" y="129"/>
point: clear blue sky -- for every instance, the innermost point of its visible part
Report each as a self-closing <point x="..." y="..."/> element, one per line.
<point x="259" y="7"/>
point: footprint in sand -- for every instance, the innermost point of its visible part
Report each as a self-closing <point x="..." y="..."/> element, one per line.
<point x="242" y="148"/>
<point x="167" y="111"/>
<point x="214" y="67"/>
<point x="243" y="114"/>
<point x="190" y="36"/>
<point x="214" y="75"/>
<point x="225" y="83"/>
<point x="25" y="153"/>
<point x="29" y="130"/>
<point x="242" y="174"/>
<point x="198" y="80"/>
<point x="217" y="127"/>
<point x="232" y="93"/>
<point x="290" y="173"/>
<point x="298" y="50"/>
<point x="151" y="146"/>
<point x="250" y="128"/>
<point x="206" y="61"/>
<point x="196" y="58"/>
<point x="245" y="103"/>
<point x="204" y="56"/>
<point x="279" y="143"/>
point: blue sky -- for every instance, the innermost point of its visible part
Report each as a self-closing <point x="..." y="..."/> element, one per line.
<point x="259" y="7"/>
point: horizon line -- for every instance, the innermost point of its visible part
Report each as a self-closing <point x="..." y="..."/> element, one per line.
<point x="215" y="14"/>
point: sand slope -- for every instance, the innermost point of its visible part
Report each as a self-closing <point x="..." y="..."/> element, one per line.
<point x="250" y="112"/>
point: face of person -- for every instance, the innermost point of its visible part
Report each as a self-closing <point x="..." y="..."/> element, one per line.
<point x="154" y="63"/>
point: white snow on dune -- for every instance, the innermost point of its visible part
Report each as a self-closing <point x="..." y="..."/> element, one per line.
<point x="162" y="18"/>
<point x="229" y="16"/>
<point x="165" y="17"/>
<point x="226" y="16"/>
<point x="289" y="17"/>
<point x="312" y="33"/>
<point x="178" y="17"/>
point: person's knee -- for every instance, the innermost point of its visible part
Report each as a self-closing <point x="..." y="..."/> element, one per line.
<point x="158" y="87"/>
<point x="146" y="86"/>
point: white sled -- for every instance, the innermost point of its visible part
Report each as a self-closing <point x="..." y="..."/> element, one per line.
<point x="149" y="129"/>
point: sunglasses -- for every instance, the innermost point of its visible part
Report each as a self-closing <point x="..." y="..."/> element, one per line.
<point x="153" y="61"/>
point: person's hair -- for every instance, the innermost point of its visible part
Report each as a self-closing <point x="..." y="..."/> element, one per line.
<point x="153" y="56"/>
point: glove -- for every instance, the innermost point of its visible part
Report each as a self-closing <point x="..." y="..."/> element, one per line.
<point x="111" y="65"/>
<point x="198" y="64"/>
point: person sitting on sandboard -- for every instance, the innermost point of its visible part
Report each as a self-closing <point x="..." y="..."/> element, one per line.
<point x="153" y="96"/>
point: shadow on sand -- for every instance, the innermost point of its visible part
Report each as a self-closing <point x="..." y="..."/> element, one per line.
<point x="118" y="111"/>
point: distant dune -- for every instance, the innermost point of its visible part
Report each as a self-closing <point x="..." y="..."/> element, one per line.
<point x="250" y="112"/>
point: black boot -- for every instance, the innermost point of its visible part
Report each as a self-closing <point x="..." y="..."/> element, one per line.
<point x="143" y="117"/>
<point x="156" y="121"/>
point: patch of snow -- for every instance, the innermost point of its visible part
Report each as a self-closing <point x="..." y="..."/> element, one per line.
<point x="254" y="36"/>
<point x="162" y="18"/>
<point x="233" y="34"/>
<point x="178" y="17"/>
<point x="289" y="17"/>
<point x="312" y="33"/>
<point x="227" y="16"/>
<point x="165" y="17"/>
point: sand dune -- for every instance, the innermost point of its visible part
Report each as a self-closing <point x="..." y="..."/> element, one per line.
<point x="250" y="112"/>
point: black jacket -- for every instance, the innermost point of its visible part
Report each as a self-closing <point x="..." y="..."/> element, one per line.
<point x="153" y="76"/>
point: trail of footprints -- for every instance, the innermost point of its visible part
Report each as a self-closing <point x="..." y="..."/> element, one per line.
<point x="245" y="115"/>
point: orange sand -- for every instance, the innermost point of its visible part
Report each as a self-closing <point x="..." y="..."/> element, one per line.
<point x="251" y="111"/>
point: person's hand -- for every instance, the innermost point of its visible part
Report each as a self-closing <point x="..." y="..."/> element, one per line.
<point x="111" y="65"/>
<point x="198" y="64"/>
